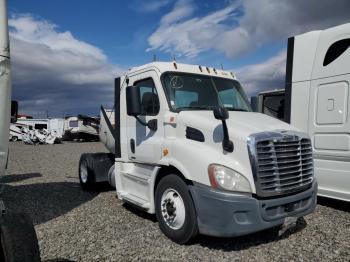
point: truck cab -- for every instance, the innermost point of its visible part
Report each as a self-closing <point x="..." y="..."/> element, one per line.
<point x="316" y="100"/>
<point x="188" y="148"/>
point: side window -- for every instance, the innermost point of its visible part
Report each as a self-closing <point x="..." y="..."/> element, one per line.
<point x="274" y="106"/>
<point x="40" y="126"/>
<point x="336" y="50"/>
<point x="149" y="97"/>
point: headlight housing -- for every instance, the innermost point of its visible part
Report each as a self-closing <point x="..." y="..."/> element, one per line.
<point x="225" y="178"/>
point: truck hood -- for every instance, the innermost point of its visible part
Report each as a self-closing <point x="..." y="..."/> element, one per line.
<point x="240" y="124"/>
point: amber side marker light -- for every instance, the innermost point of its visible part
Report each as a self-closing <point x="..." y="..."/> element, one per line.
<point x="165" y="152"/>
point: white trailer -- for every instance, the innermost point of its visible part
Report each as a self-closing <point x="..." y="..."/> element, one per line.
<point x="17" y="234"/>
<point x="186" y="146"/>
<point x="16" y="131"/>
<point x="54" y="126"/>
<point x="81" y="128"/>
<point x="316" y="100"/>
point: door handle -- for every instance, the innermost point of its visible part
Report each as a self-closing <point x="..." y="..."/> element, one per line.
<point x="132" y="145"/>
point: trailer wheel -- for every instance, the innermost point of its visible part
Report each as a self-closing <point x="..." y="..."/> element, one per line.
<point x="175" y="210"/>
<point x="18" y="239"/>
<point x="86" y="172"/>
<point x="14" y="138"/>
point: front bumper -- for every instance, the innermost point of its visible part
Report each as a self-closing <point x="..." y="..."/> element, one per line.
<point x="227" y="214"/>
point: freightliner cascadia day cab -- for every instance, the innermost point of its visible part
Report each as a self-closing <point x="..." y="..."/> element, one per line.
<point x="317" y="101"/>
<point x="18" y="241"/>
<point x="186" y="146"/>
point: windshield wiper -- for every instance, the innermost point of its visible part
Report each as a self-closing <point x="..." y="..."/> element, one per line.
<point x="196" y="107"/>
<point x="236" y="109"/>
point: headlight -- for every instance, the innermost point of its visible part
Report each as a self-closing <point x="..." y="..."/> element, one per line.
<point x="224" y="178"/>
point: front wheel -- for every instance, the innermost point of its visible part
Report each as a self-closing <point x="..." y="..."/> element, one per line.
<point x="175" y="210"/>
<point x="14" y="139"/>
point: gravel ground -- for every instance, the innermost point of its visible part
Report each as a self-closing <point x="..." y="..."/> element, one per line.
<point x="73" y="225"/>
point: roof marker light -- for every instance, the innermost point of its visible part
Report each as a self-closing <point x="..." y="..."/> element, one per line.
<point x="200" y="68"/>
<point x="215" y="71"/>
<point x="232" y="74"/>
<point x="208" y="70"/>
<point x="175" y="65"/>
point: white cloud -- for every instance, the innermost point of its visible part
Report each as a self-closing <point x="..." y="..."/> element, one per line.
<point x="54" y="71"/>
<point x="243" y="25"/>
<point x="263" y="76"/>
<point x="149" y="5"/>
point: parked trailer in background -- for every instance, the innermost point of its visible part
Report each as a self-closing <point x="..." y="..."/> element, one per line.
<point x="18" y="241"/>
<point x="81" y="128"/>
<point x="16" y="131"/>
<point x="54" y="126"/>
<point x="316" y="100"/>
<point x="186" y="146"/>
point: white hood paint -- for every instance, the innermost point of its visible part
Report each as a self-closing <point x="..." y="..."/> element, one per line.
<point x="240" y="124"/>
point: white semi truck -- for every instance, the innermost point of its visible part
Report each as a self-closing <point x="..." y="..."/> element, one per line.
<point x="18" y="241"/>
<point x="316" y="100"/>
<point x="186" y="146"/>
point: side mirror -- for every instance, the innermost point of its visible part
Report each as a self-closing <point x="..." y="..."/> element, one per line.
<point x="133" y="101"/>
<point x="221" y="113"/>
<point x="14" y="111"/>
<point x="133" y="107"/>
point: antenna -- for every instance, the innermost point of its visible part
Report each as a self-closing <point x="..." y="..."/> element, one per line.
<point x="222" y="67"/>
<point x="154" y="57"/>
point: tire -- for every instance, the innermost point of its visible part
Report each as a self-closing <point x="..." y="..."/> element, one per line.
<point x="18" y="239"/>
<point x="14" y="139"/>
<point x="181" y="225"/>
<point x="86" y="172"/>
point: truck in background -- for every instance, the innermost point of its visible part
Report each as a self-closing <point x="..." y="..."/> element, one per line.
<point x="316" y="100"/>
<point x="186" y="146"/>
<point x="18" y="241"/>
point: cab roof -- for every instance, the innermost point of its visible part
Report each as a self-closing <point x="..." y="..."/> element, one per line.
<point x="162" y="67"/>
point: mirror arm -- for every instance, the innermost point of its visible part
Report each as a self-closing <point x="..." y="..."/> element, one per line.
<point x="152" y="124"/>
<point x="227" y="144"/>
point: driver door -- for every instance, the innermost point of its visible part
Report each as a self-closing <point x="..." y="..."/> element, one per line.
<point x="145" y="145"/>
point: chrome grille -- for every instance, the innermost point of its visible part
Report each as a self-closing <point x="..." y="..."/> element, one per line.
<point x="282" y="164"/>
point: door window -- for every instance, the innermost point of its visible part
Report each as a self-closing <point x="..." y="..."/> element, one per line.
<point x="336" y="50"/>
<point x="149" y="97"/>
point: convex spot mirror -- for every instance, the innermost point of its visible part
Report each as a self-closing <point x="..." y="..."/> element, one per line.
<point x="221" y="113"/>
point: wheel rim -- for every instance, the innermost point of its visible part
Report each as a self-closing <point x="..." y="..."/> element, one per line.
<point x="83" y="172"/>
<point x="173" y="209"/>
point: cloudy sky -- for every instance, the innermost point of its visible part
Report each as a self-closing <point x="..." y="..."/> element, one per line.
<point x="66" y="54"/>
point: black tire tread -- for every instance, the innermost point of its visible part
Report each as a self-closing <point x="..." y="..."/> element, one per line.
<point x="19" y="238"/>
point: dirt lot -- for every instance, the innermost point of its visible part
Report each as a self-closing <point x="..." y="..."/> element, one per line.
<point x="73" y="225"/>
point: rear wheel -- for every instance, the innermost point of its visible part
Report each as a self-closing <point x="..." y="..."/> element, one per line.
<point x="86" y="172"/>
<point x="175" y="210"/>
<point x="18" y="239"/>
<point x="14" y="138"/>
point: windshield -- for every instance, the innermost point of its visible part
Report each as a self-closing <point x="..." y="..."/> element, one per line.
<point x="199" y="92"/>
